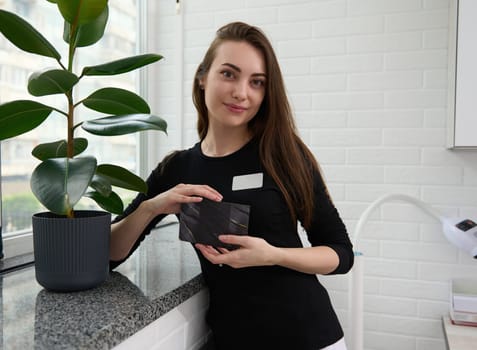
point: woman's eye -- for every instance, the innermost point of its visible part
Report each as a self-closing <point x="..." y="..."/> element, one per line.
<point x="258" y="83"/>
<point x="227" y="74"/>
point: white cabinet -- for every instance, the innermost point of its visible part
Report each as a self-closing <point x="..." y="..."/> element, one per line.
<point x="462" y="106"/>
<point x="182" y="328"/>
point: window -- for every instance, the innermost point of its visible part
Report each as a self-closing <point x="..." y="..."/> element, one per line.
<point x="16" y="163"/>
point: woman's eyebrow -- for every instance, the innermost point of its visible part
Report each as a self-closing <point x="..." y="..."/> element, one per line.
<point x="234" y="67"/>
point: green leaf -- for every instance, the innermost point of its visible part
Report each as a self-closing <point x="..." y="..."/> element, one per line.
<point x="88" y="33"/>
<point x="58" y="149"/>
<point x="81" y="11"/>
<point x="121" y="177"/>
<point x="21" y="116"/>
<point x="111" y="203"/>
<point x="124" y="124"/>
<point x="101" y="184"/>
<point x="50" y="82"/>
<point x="116" y="101"/>
<point x="122" y="66"/>
<point x="24" y="36"/>
<point x="59" y="183"/>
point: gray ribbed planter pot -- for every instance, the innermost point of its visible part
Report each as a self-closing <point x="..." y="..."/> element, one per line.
<point x="71" y="254"/>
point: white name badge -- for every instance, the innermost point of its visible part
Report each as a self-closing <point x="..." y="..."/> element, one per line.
<point x="247" y="182"/>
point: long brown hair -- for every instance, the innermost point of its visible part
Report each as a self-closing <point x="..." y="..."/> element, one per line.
<point x="283" y="154"/>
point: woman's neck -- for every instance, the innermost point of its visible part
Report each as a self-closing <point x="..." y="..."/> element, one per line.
<point x="214" y="145"/>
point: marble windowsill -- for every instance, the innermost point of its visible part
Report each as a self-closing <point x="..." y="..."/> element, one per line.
<point x="162" y="273"/>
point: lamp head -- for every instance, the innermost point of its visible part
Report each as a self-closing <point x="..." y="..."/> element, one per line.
<point x="462" y="232"/>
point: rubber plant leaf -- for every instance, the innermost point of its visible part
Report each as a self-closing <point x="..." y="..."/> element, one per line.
<point x="21" y="116"/>
<point x="101" y="185"/>
<point x="88" y="33"/>
<point x="111" y="203"/>
<point x="121" y="177"/>
<point x="50" y="82"/>
<point x="80" y="12"/>
<point x="24" y="36"/>
<point x="116" y="101"/>
<point x="124" y="124"/>
<point x="59" y="183"/>
<point x="58" y="149"/>
<point x="122" y="65"/>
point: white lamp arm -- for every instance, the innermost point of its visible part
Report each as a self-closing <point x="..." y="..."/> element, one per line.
<point x="462" y="232"/>
<point x="357" y="276"/>
<point x="387" y="197"/>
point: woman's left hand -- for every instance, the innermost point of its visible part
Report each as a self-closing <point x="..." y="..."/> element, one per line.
<point x="252" y="251"/>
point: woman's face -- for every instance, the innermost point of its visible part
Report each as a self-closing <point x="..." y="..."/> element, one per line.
<point x="234" y="85"/>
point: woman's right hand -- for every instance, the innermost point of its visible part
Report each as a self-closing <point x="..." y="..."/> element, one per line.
<point x="126" y="232"/>
<point x="169" y="202"/>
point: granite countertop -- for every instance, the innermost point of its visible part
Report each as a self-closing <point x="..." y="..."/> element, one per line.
<point x="161" y="274"/>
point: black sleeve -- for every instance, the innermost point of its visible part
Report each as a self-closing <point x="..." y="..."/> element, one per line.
<point x="328" y="228"/>
<point x="157" y="182"/>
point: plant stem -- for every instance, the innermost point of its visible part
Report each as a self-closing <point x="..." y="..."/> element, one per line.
<point x="70" y="94"/>
<point x="70" y="139"/>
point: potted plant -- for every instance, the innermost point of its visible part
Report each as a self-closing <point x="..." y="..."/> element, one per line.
<point x="71" y="247"/>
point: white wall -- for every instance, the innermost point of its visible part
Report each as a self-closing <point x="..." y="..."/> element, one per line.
<point x="368" y="82"/>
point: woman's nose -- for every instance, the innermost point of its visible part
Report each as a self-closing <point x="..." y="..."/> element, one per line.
<point x="240" y="90"/>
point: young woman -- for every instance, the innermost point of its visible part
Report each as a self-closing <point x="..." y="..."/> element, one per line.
<point x="265" y="294"/>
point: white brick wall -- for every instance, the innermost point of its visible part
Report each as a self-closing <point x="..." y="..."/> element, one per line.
<point x="368" y="82"/>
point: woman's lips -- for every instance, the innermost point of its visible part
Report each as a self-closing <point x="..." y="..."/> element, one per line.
<point x="235" y="108"/>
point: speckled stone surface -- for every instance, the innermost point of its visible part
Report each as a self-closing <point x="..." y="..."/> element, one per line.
<point x="162" y="274"/>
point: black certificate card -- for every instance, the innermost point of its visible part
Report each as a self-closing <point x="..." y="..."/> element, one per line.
<point x="204" y="221"/>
